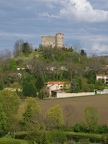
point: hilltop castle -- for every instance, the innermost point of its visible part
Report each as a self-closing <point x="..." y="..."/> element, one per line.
<point x="57" y="40"/>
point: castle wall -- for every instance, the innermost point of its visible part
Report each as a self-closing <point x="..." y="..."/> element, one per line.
<point x="48" y="41"/>
<point x="53" y="41"/>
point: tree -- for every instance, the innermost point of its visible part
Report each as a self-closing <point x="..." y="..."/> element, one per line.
<point x="3" y="121"/>
<point x="12" y="64"/>
<point x="91" y="118"/>
<point x="44" y="93"/>
<point x="18" y="47"/>
<point x="29" y="88"/>
<point x="10" y="104"/>
<point x="100" y="83"/>
<point x="39" y="82"/>
<point x="26" y="48"/>
<point x="70" y="113"/>
<point x="74" y="86"/>
<point x="34" y="105"/>
<point x="54" y="117"/>
<point x="83" y="53"/>
<point x="1" y="85"/>
<point x="31" y="114"/>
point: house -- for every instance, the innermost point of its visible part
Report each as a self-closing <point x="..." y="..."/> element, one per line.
<point x="21" y="68"/>
<point x="102" y="76"/>
<point x="16" y="74"/>
<point x="54" y="87"/>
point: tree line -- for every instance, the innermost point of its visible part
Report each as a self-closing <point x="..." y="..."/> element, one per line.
<point x="43" y="129"/>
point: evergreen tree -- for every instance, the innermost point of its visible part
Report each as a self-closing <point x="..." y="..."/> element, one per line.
<point x="29" y="88"/>
<point x="39" y="82"/>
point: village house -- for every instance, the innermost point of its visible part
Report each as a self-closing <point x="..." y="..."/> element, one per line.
<point x="16" y="74"/>
<point x="102" y="76"/>
<point x="55" y="87"/>
<point x="21" y="68"/>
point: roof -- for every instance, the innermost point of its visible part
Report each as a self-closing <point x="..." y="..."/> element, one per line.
<point x="101" y="75"/>
<point x="21" y="67"/>
<point x="55" y="82"/>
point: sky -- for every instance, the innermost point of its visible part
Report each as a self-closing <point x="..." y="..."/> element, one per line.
<point x="84" y="23"/>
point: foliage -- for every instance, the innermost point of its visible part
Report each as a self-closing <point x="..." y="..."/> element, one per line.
<point x="18" y="47"/>
<point x="39" y="82"/>
<point x="84" y="141"/>
<point x="26" y="48"/>
<point x="102" y="129"/>
<point x="1" y="85"/>
<point x="54" y="117"/>
<point x="104" y="138"/>
<point x="29" y="88"/>
<point x="3" y="121"/>
<point x="32" y="112"/>
<point x="15" y="85"/>
<point x="38" y="136"/>
<point x="91" y="118"/>
<point x="12" y="64"/>
<point x="79" y="127"/>
<point x="57" y="136"/>
<point x="44" y="93"/>
<point x="83" y="53"/>
<point x="69" y="111"/>
<point x="100" y="84"/>
<point x="10" y="104"/>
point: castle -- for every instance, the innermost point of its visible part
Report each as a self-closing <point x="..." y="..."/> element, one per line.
<point x="57" y="40"/>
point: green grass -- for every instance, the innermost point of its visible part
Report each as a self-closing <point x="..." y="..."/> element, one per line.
<point x="21" y="141"/>
<point x="9" y="137"/>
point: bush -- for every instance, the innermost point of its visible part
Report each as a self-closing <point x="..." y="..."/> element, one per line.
<point x="20" y="135"/>
<point x="44" y="93"/>
<point x="10" y="141"/>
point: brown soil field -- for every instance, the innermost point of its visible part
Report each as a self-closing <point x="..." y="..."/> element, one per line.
<point x="78" y="104"/>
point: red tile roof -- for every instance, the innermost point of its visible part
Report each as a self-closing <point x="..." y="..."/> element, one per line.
<point x="55" y="82"/>
<point x="101" y="75"/>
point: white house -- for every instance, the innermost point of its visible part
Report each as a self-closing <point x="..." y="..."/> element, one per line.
<point x="102" y="76"/>
<point x="21" y="68"/>
<point x="55" y="86"/>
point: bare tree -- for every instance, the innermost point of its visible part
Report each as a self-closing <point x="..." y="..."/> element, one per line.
<point x="18" y="47"/>
<point x="69" y="111"/>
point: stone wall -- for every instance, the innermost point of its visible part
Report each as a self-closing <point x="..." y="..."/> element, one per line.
<point x="53" y="41"/>
<point x="66" y="95"/>
<point x="48" y="41"/>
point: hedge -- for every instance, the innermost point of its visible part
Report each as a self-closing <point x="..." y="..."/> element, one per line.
<point x="9" y="141"/>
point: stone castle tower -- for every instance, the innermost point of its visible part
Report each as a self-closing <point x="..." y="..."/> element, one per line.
<point x="57" y="40"/>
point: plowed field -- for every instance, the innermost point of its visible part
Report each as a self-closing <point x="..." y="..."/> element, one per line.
<point x="77" y="106"/>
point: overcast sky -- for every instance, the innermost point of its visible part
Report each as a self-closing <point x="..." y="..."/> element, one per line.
<point x="83" y="22"/>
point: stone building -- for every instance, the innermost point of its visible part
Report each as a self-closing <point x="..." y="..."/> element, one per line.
<point x="57" y="40"/>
